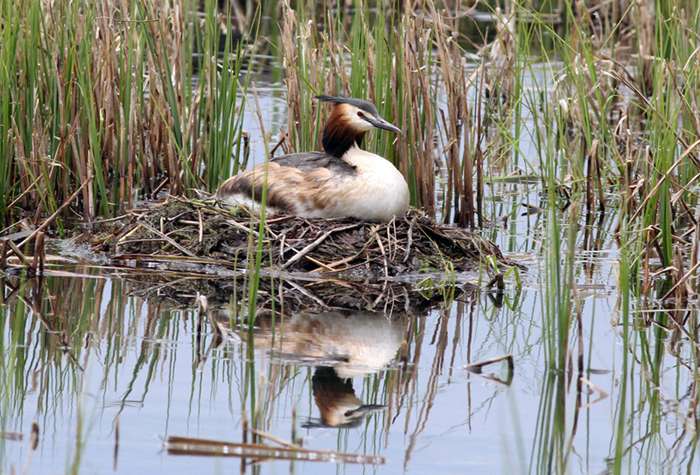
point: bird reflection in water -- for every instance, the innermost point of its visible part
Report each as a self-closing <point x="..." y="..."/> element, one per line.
<point x="342" y="345"/>
<point x="336" y="401"/>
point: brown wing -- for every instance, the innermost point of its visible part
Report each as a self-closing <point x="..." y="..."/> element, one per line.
<point x="308" y="161"/>
<point x="296" y="183"/>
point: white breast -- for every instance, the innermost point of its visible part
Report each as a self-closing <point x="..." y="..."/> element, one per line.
<point x="379" y="192"/>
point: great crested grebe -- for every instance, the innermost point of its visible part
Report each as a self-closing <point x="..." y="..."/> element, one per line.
<point x="341" y="181"/>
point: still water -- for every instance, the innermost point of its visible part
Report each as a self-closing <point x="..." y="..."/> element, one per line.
<point x="108" y="378"/>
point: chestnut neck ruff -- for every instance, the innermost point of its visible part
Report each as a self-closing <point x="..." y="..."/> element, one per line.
<point x="339" y="135"/>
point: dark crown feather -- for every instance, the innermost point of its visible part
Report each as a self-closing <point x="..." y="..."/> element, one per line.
<point x="359" y="103"/>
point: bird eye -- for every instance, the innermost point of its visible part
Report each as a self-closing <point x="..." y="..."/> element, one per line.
<point x="360" y="114"/>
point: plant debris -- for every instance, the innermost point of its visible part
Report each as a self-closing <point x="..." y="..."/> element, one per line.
<point x="177" y="445"/>
<point x="478" y="368"/>
<point x="181" y="231"/>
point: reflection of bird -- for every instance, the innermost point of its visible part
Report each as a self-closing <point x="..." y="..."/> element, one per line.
<point x="343" y="344"/>
<point x="341" y="181"/>
<point x="336" y="401"/>
<point x="354" y="343"/>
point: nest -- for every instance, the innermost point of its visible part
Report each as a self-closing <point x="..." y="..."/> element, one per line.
<point x="178" y="232"/>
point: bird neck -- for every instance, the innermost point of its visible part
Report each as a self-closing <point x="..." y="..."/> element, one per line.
<point x="339" y="135"/>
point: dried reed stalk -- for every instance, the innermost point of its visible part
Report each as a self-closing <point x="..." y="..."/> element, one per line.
<point x="176" y="445"/>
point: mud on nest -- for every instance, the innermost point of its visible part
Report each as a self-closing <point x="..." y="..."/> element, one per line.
<point x="178" y="231"/>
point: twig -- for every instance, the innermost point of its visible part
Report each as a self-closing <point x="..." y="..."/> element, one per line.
<point x="169" y="240"/>
<point x="478" y="367"/>
<point x="50" y="219"/>
<point x="200" y="225"/>
<point x="346" y="260"/>
<point x="279" y="144"/>
<point x="241" y="227"/>
<point x="386" y="267"/>
<point x="19" y="254"/>
<point x="190" y="446"/>
<point x="602" y="394"/>
<point x="682" y="280"/>
<point x="316" y="243"/>
<point x="308" y="294"/>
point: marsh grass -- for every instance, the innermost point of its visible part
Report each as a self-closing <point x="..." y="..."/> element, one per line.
<point x="614" y="133"/>
<point x="102" y="95"/>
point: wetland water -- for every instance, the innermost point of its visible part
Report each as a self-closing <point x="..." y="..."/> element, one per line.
<point x="153" y="372"/>
<point x="107" y="376"/>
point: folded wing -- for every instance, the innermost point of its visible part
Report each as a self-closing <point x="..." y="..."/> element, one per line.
<point x="302" y="183"/>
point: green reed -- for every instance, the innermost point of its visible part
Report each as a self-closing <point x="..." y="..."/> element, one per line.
<point x="101" y="98"/>
<point x="669" y="168"/>
<point x="635" y="156"/>
<point x="625" y="314"/>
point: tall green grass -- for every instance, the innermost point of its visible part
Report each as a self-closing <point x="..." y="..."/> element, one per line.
<point x="619" y="140"/>
<point x="126" y="98"/>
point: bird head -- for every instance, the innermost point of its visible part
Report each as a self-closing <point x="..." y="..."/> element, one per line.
<point x="348" y="122"/>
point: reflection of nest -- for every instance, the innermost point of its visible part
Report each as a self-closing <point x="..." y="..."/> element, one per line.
<point x="289" y="296"/>
<point x="178" y="231"/>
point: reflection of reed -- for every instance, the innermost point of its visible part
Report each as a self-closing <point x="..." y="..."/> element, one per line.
<point x="440" y="340"/>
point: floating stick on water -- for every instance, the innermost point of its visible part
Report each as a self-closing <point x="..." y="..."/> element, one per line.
<point x="176" y="445"/>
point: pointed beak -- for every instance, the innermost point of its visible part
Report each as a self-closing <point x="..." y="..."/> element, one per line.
<point x="380" y="123"/>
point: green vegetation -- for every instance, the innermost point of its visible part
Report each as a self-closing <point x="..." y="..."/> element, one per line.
<point x="100" y="105"/>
